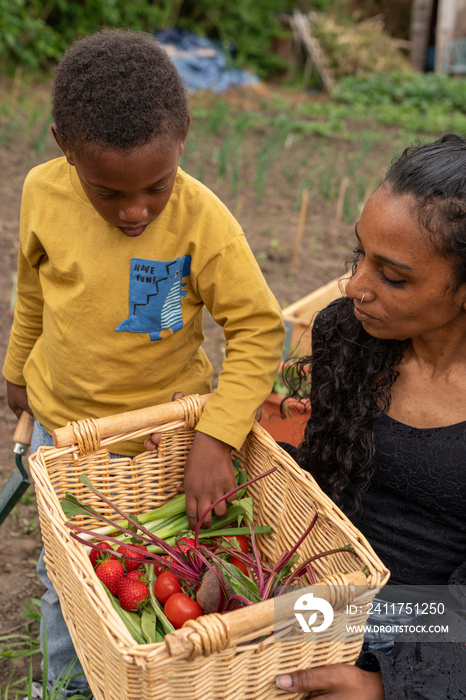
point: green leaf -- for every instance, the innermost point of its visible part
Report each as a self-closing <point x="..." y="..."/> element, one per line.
<point x="245" y="504"/>
<point x="285" y="571"/>
<point x="233" y="531"/>
<point x="240" y="583"/>
<point x="72" y="506"/>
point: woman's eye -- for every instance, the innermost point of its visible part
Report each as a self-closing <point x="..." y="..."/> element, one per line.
<point x="392" y="283"/>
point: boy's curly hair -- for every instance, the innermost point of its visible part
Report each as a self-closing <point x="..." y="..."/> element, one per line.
<point x="117" y="88"/>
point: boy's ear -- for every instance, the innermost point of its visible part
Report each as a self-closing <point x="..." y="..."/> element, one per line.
<point x="66" y="152"/>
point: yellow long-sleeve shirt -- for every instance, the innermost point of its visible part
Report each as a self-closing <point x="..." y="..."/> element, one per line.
<point x="106" y="323"/>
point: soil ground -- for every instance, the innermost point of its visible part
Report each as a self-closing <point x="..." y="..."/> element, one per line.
<point x="270" y="226"/>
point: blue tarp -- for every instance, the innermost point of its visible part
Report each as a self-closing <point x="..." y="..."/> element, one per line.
<point x="200" y="63"/>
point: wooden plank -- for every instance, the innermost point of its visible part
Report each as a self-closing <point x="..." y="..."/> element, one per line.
<point x="301" y="27"/>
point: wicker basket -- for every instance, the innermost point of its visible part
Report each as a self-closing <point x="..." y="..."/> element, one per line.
<point x="207" y="658"/>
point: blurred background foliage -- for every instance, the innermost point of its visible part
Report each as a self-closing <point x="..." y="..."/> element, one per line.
<point x="34" y="33"/>
<point x="365" y="42"/>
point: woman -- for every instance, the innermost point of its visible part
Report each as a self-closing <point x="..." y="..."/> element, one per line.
<point x="387" y="436"/>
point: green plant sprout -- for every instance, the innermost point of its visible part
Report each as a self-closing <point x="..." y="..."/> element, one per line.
<point x="25" y="645"/>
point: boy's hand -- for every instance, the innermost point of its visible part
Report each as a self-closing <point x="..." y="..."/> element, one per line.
<point x="17" y="397"/>
<point x="208" y="475"/>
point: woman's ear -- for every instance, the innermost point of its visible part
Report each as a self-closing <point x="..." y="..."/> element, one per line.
<point x="66" y="151"/>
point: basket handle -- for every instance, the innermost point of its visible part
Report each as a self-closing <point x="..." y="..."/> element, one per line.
<point x="213" y="633"/>
<point x="130" y="421"/>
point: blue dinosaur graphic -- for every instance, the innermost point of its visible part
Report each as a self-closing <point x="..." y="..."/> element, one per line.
<point x="155" y="291"/>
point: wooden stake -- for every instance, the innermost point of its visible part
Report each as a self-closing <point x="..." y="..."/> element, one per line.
<point x="368" y="192"/>
<point x="239" y="206"/>
<point x="16" y="88"/>
<point x="299" y="232"/>
<point x="339" y="210"/>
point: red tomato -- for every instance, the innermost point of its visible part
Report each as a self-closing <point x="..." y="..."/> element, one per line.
<point x="242" y="540"/>
<point x="180" y="607"/>
<point x="243" y="543"/>
<point x="240" y="565"/>
<point x="166" y="584"/>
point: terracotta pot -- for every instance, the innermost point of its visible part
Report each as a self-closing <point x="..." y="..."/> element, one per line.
<point x="289" y="429"/>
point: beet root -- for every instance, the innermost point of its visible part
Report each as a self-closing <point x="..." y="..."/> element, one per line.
<point x="209" y="593"/>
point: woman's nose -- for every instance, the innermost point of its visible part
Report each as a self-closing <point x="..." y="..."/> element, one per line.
<point x="358" y="286"/>
<point x="351" y="288"/>
<point x="133" y="212"/>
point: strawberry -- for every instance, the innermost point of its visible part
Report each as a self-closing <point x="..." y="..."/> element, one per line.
<point x="110" y="572"/>
<point x="158" y="568"/>
<point x="185" y="543"/>
<point x="132" y="594"/>
<point x="97" y="556"/>
<point x="128" y="554"/>
<point x="136" y="575"/>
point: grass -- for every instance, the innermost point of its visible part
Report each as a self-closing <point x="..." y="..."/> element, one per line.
<point x="302" y="144"/>
<point x="25" y="644"/>
<point x="21" y="644"/>
<point x="298" y="139"/>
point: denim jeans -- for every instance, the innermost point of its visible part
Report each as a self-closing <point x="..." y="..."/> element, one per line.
<point x="60" y="649"/>
<point x="377" y="636"/>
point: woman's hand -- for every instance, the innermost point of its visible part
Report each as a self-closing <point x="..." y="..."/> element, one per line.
<point x="334" y="682"/>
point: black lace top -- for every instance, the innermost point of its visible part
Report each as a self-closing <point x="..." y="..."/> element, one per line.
<point x="414" y="512"/>
<point x="414" y="516"/>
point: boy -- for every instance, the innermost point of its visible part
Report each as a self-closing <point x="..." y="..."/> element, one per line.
<point x="120" y="251"/>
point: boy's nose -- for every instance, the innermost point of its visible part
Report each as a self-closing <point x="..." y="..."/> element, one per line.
<point x="133" y="212"/>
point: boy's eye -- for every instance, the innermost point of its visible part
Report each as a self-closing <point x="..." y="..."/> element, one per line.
<point x="105" y="196"/>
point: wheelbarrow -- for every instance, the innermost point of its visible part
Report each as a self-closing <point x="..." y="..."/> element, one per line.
<point x="18" y="482"/>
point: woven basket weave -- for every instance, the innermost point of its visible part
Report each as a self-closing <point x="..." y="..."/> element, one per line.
<point x="208" y="658"/>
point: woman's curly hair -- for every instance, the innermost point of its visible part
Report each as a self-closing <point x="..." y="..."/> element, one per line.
<point x="350" y="373"/>
<point x="350" y="381"/>
<point x="117" y="88"/>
